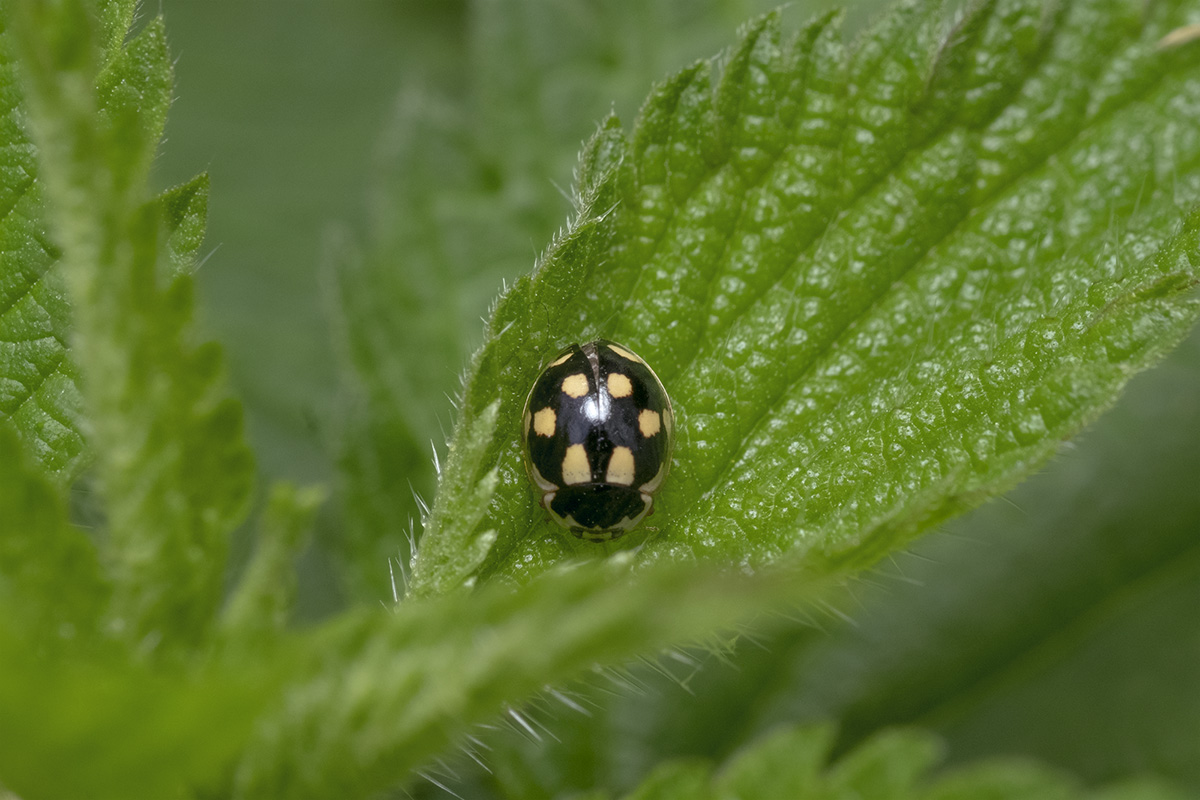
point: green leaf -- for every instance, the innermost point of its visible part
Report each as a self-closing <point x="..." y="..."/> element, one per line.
<point x="262" y="601"/>
<point x="1059" y="626"/>
<point x="173" y="467"/>
<point x="880" y="286"/>
<point x="1073" y="639"/>
<point x="467" y="187"/>
<point x="894" y="764"/>
<point x="183" y="214"/>
<point x="51" y="586"/>
<point x="38" y="376"/>
<point x="39" y="391"/>
<point x="890" y="764"/>
<point x="786" y="763"/>
<point x="443" y="568"/>
<point x="676" y="780"/>
<point x="387" y="692"/>
<point x="126" y="730"/>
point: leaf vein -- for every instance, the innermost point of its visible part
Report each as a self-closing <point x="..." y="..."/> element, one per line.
<point x="834" y="342"/>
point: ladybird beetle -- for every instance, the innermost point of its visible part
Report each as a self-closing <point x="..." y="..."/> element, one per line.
<point x="598" y="430"/>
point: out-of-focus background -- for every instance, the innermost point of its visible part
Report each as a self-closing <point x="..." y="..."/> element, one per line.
<point x="287" y="104"/>
<point x="1060" y="623"/>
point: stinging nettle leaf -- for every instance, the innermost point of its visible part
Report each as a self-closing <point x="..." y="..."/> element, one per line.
<point x="39" y="392"/>
<point x="896" y="763"/>
<point x="785" y="763"/>
<point x="173" y="467"/>
<point x="261" y="605"/>
<point x="881" y="283"/>
<point x="39" y="381"/>
<point x="51" y="585"/>
<point x="132" y="731"/>
<point x="456" y="524"/>
<point x="380" y="694"/>
<point x="183" y="213"/>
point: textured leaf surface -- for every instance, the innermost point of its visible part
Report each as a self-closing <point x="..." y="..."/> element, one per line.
<point x="173" y="467"/>
<point x="39" y="391"/>
<point x="183" y="214"/>
<point x="880" y="285"/>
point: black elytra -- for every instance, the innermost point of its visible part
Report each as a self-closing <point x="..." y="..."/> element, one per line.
<point x="598" y="430"/>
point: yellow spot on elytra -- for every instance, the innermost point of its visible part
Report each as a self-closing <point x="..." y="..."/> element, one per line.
<point x="619" y="385"/>
<point x="575" y="385"/>
<point x="544" y="422"/>
<point x="620" y="467"/>
<point x="623" y="353"/>
<point x="560" y="360"/>
<point x="575" y="467"/>
<point x="649" y="422"/>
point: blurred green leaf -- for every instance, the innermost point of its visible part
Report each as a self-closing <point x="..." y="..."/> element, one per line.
<point x="262" y="602"/>
<point x="51" y="586"/>
<point x="880" y="287"/>
<point x="893" y="765"/>
<point x="386" y="693"/>
<point x="68" y="695"/>
<point x="787" y="763"/>
<point x="675" y="780"/>
<point x="125" y="730"/>
<point x="173" y="467"/>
